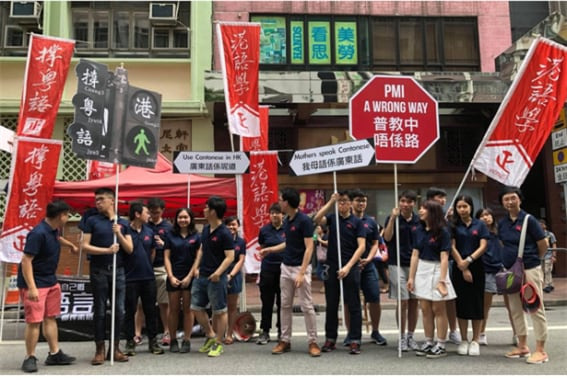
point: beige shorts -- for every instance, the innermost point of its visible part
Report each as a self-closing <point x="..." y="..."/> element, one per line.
<point x="161" y="278"/>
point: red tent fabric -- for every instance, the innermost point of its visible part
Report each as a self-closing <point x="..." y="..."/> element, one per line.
<point x="136" y="183"/>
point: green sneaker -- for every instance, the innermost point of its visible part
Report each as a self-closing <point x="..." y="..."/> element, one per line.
<point x="208" y="344"/>
<point x="130" y="348"/>
<point x="216" y="350"/>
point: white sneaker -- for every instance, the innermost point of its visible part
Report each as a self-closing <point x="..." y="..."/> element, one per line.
<point x="455" y="337"/>
<point x="412" y="344"/>
<point x="404" y="345"/>
<point x="463" y="348"/>
<point x="474" y="349"/>
<point x="482" y="340"/>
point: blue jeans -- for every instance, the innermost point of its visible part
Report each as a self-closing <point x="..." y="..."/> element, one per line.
<point x="101" y="286"/>
<point x="369" y="284"/>
<point x="351" y="289"/>
<point x="204" y="291"/>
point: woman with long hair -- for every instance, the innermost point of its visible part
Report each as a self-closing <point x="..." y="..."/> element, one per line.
<point x="469" y="241"/>
<point x="429" y="276"/>
<point x="182" y="246"/>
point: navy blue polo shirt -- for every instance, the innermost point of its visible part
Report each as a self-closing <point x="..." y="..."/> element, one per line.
<point x="370" y="228"/>
<point x="42" y="242"/>
<point x="214" y="245"/>
<point x="407" y="230"/>
<point x="270" y="236"/>
<point x="100" y="228"/>
<point x="467" y="238"/>
<point x="182" y="252"/>
<point x="429" y="247"/>
<point x="296" y="229"/>
<point x="138" y="265"/>
<point x="239" y="250"/>
<point x="161" y="229"/>
<point x="492" y="258"/>
<point x="351" y="229"/>
<point x="509" y="232"/>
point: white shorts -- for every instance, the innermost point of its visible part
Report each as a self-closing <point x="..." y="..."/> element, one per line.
<point x="426" y="279"/>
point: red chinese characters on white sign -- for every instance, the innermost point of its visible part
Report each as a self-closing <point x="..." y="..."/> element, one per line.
<point x="46" y="72"/>
<point x="33" y="175"/>
<point x="526" y="116"/>
<point x="240" y="56"/>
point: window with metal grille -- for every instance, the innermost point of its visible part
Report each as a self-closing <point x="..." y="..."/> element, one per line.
<point x="5" y="162"/>
<point x="457" y="146"/>
<point x="73" y="168"/>
<point x="284" y="140"/>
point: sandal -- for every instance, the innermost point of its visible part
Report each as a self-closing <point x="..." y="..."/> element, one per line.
<point x="537" y="358"/>
<point x="517" y="353"/>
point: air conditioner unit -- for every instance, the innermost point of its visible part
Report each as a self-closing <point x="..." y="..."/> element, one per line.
<point x="163" y="14"/>
<point x="25" y="10"/>
<point x="14" y="37"/>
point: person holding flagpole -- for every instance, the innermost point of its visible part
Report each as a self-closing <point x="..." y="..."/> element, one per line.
<point x="509" y="231"/>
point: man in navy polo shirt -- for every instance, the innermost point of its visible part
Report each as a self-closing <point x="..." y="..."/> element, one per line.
<point x="140" y="279"/>
<point x="353" y="242"/>
<point x="296" y="272"/>
<point x="39" y="287"/>
<point x="101" y="230"/>
<point x="270" y="235"/>
<point x="408" y="223"/>
<point x="161" y="228"/>
<point x="216" y="255"/>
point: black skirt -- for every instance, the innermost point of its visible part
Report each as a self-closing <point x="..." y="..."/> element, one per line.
<point x="470" y="296"/>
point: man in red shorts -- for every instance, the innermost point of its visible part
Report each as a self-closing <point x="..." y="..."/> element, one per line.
<point x="39" y="288"/>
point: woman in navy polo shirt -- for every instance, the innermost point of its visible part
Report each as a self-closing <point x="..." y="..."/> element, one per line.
<point x="234" y="275"/>
<point x="469" y="241"/>
<point x="509" y="231"/>
<point x="429" y="276"/>
<point x="181" y="248"/>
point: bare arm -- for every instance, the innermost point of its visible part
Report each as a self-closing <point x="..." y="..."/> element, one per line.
<point x="124" y="240"/>
<point x="93" y="250"/>
<point x="354" y="259"/>
<point x="67" y="243"/>
<point x="237" y="266"/>
<point x="320" y="216"/>
<point x="27" y="272"/>
<point x="308" y="241"/>
<point x="388" y="232"/>
<point x="542" y="246"/>
<point x="228" y="258"/>
<point x="413" y="269"/>
<point x="274" y="249"/>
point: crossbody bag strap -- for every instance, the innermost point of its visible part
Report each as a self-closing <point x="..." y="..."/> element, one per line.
<point x="523" y="236"/>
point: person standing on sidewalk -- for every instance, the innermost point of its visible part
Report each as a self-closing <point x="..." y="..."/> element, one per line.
<point x="98" y="242"/>
<point x="39" y="288"/>
<point x="270" y="235"/>
<point x="296" y="272"/>
<point x="140" y="280"/>
<point x="408" y="223"/>
<point x="352" y="244"/>
<point x="509" y="231"/>
<point x="211" y="284"/>
<point x="368" y="271"/>
<point x="161" y="228"/>
<point x="549" y="258"/>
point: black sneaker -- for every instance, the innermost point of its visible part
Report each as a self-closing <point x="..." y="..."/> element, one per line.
<point x="154" y="347"/>
<point x="424" y="349"/>
<point x="378" y="338"/>
<point x="328" y="346"/>
<point x="60" y="358"/>
<point x="354" y="348"/>
<point x="346" y="342"/>
<point x="130" y="348"/>
<point x="436" y="352"/>
<point x="185" y="347"/>
<point x="264" y="338"/>
<point x="174" y="346"/>
<point x="30" y="364"/>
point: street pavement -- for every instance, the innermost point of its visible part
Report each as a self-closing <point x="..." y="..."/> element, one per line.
<point x="248" y="358"/>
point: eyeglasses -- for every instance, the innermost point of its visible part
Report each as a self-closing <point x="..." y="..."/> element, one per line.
<point x="343" y="200"/>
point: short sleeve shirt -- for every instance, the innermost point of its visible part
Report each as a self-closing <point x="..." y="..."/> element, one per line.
<point x="370" y="228"/>
<point x="100" y="228"/>
<point x="407" y="230"/>
<point x="270" y="236"/>
<point x="492" y="258"/>
<point x="239" y="250"/>
<point x="214" y="245"/>
<point x="509" y="232"/>
<point x="467" y="238"/>
<point x="430" y="247"/>
<point x="161" y="229"/>
<point x="296" y="230"/>
<point x="351" y="229"/>
<point x="182" y="252"/>
<point x="138" y="265"/>
<point x="42" y="242"/>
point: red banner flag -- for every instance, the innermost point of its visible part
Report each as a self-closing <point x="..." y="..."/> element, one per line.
<point x="100" y="169"/>
<point x="239" y="45"/>
<point x="250" y="144"/>
<point x="526" y="116"/>
<point x="46" y="72"/>
<point x="260" y="189"/>
<point x="31" y="186"/>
